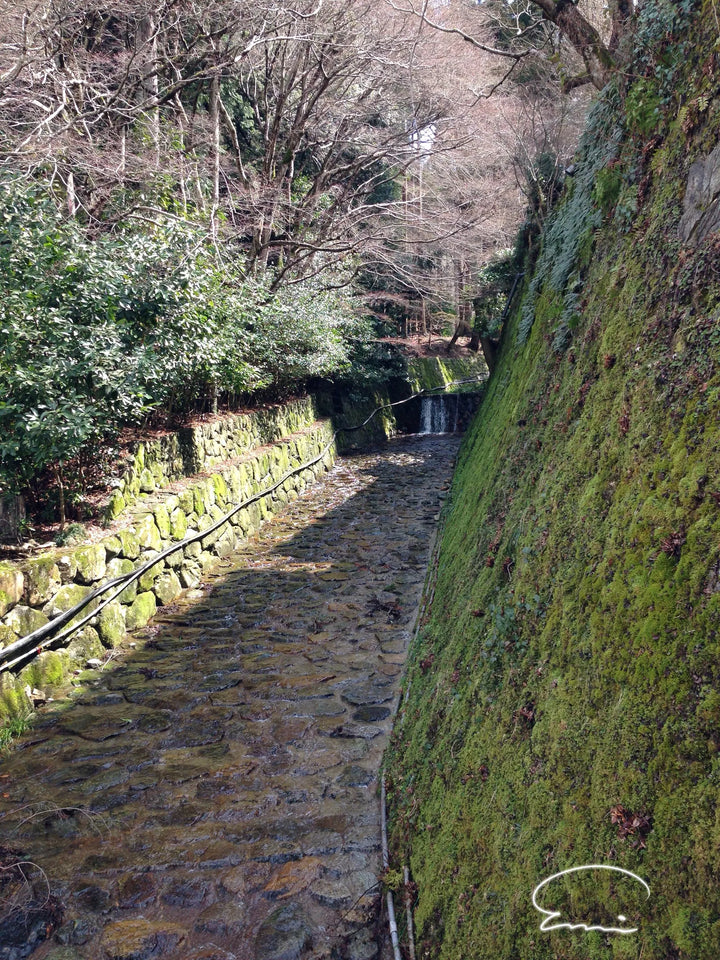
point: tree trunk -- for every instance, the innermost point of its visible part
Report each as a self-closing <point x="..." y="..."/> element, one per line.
<point x="598" y="60"/>
<point x="148" y="39"/>
<point x="489" y="349"/>
<point x="215" y="155"/>
<point x="621" y="18"/>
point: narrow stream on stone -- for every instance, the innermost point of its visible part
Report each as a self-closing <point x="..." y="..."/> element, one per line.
<point x="214" y="794"/>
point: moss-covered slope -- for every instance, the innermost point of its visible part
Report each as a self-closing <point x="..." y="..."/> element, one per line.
<point x="564" y="702"/>
<point x="436" y="373"/>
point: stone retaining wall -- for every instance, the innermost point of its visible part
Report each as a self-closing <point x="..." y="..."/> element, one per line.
<point x="153" y="464"/>
<point x="34" y="592"/>
<point x="429" y="373"/>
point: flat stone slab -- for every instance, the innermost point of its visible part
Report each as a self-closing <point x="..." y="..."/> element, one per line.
<point x="284" y="935"/>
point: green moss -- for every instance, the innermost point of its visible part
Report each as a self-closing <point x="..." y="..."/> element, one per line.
<point x="162" y="520"/>
<point x="167" y="588"/>
<point x="429" y="373"/>
<point x="42" y="578"/>
<point x="147" y="481"/>
<point x="570" y="663"/>
<point x="178" y="524"/>
<point x="147" y="580"/>
<point x="68" y="596"/>
<point x="198" y="501"/>
<point x="90" y="562"/>
<point x="120" y="567"/>
<point x="23" y="620"/>
<point x="5" y="602"/>
<point x="113" y="547"/>
<point x="111" y="623"/>
<point x="14" y="702"/>
<point x="116" y="505"/>
<point x="142" y="609"/>
<point x="147" y="533"/>
<point x="130" y="544"/>
<point x="12" y="584"/>
<point x="47" y="670"/>
<point x="85" y="645"/>
<point x="220" y="487"/>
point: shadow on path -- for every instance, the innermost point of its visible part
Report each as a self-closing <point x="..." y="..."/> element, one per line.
<point x="213" y="795"/>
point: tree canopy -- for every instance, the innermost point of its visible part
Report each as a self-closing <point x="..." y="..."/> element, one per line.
<point x="205" y="200"/>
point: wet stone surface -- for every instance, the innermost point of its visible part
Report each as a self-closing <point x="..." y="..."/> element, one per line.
<point x="213" y="794"/>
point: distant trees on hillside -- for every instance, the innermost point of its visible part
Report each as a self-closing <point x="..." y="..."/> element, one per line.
<point x="281" y="127"/>
<point x="203" y="198"/>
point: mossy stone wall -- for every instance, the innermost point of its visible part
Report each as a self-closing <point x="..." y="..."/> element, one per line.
<point x="564" y="688"/>
<point x="32" y="594"/>
<point x="429" y="373"/>
<point x="352" y="409"/>
<point x="153" y="464"/>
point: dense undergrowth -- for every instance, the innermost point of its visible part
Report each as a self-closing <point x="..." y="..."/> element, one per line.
<point x="142" y="327"/>
<point x="564" y="702"/>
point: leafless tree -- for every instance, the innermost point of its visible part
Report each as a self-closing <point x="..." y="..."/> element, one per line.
<point x="282" y="124"/>
<point x="595" y="32"/>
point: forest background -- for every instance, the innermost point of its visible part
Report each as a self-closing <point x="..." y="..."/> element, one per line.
<point x="222" y="203"/>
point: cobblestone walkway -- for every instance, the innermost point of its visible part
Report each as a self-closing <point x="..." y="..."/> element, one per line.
<point x="213" y="794"/>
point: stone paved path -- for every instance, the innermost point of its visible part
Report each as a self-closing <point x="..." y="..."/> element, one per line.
<point x="213" y="795"/>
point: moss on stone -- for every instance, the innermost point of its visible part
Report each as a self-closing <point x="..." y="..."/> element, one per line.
<point x="23" y="620"/>
<point x="111" y="623"/>
<point x="120" y="567"/>
<point x="85" y="645"/>
<point x="178" y="524"/>
<point x="42" y="578"/>
<point x="162" y="520"/>
<point x="12" y="585"/>
<point x="147" y="533"/>
<point x="67" y="596"/>
<point x="569" y="664"/>
<point x="225" y="546"/>
<point x="141" y="610"/>
<point x="147" y="580"/>
<point x="433" y="373"/>
<point x="91" y="563"/>
<point x="130" y="544"/>
<point x="167" y="587"/>
<point x="14" y="702"/>
<point x="207" y="521"/>
<point x="67" y="566"/>
<point x="116" y="505"/>
<point x="47" y="670"/>
<point x="219" y="487"/>
<point x="193" y="549"/>
<point x="198" y="501"/>
<point x="147" y="481"/>
<point x="189" y="574"/>
<point x="175" y="560"/>
<point x="113" y="547"/>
